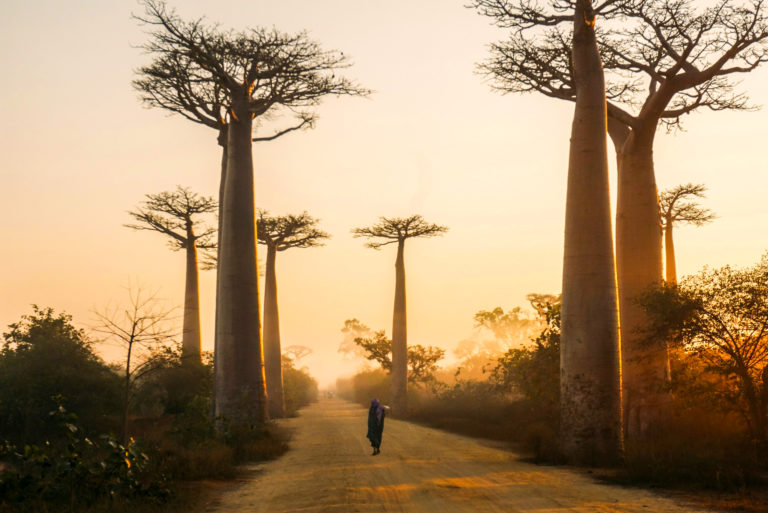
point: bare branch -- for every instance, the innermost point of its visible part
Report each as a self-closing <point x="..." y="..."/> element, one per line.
<point x="306" y="120"/>
<point x="142" y="322"/>
<point x="662" y="58"/>
<point x="207" y="74"/>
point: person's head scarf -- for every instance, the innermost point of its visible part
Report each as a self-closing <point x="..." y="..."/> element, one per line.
<point x="379" y="409"/>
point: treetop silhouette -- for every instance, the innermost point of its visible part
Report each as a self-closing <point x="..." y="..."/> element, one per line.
<point x="289" y="231"/>
<point x="397" y="229"/>
<point x="675" y="206"/>
<point x="171" y="213"/>
<point x="208" y="75"/>
<point x="664" y="59"/>
<point x="174" y="214"/>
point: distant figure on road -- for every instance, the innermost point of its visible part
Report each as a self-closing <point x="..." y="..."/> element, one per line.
<point x="376" y="414"/>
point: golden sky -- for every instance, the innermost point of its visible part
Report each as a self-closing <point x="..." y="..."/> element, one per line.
<point x="77" y="150"/>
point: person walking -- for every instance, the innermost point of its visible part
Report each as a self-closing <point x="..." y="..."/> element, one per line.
<point x="376" y="414"/>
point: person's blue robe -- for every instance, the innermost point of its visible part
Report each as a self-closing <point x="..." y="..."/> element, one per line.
<point x="375" y="426"/>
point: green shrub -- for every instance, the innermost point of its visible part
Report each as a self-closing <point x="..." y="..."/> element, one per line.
<point x="534" y="371"/>
<point x="60" y="465"/>
<point x="44" y="356"/>
<point x="166" y="387"/>
<point x="78" y="472"/>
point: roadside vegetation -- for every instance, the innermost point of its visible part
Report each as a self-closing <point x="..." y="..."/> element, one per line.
<point x="713" y="433"/>
<point x="61" y="421"/>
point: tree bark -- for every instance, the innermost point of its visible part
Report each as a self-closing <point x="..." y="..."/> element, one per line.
<point x="239" y="384"/>
<point x="590" y="354"/>
<point x="399" y="399"/>
<point x="126" y="393"/>
<point x="190" y="338"/>
<point x="670" y="267"/>
<point x="272" y="351"/>
<point x="222" y="141"/>
<point x="639" y="266"/>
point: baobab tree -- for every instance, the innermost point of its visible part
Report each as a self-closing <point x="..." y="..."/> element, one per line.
<point x="396" y="230"/>
<point x="589" y="365"/>
<point x="663" y="59"/>
<point x="231" y="82"/>
<point x="296" y="352"/>
<point x="173" y="214"/>
<point x="677" y="206"/>
<point x="279" y="233"/>
<point x="590" y="387"/>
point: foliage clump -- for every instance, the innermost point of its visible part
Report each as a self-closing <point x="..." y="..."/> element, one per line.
<point x="299" y="388"/>
<point x="60" y="406"/>
<point x="422" y="360"/>
<point x="534" y="371"/>
<point x="77" y="471"/>
<point x="716" y="427"/>
<point x="43" y="356"/>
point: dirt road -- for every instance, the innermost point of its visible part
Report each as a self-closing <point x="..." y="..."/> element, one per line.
<point x="330" y="469"/>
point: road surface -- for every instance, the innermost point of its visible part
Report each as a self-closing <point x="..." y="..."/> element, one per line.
<point x="329" y="468"/>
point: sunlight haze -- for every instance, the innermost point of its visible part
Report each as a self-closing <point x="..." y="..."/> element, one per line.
<point x="78" y="150"/>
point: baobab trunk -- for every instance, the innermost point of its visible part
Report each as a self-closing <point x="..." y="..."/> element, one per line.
<point x="190" y="338"/>
<point x="399" y="398"/>
<point x="670" y="267"/>
<point x="590" y="354"/>
<point x="639" y="267"/>
<point x="239" y="388"/>
<point x="272" y="352"/>
<point x="222" y="141"/>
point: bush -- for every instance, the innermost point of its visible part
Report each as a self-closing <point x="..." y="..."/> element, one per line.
<point x="168" y="387"/>
<point x="701" y="447"/>
<point x="257" y="443"/>
<point x="477" y="408"/>
<point x="183" y="442"/>
<point x="186" y="446"/>
<point x="76" y="473"/>
<point x="534" y="371"/>
<point x="299" y="388"/>
<point x="44" y="356"/>
<point x="364" y="386"/>
<point x="701" y="439"/>
<point x="52" y="463"/>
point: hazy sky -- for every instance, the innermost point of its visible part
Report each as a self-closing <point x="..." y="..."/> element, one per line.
<point x="78" y="150"/>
